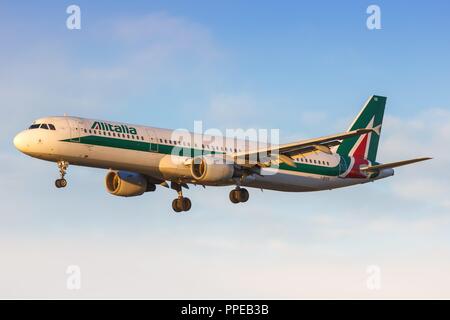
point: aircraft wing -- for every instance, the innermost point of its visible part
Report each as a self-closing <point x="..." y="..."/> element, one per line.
<point x="286" y="151"/>
<point x="378" y="167"/>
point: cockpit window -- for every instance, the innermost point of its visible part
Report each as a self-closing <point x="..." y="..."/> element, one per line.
<point x="45" y="126"/>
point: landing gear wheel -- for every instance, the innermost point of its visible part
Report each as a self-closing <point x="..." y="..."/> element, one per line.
<point x="234" y="196"/>
<point x="181" y="204"/>
<point x="61" y="183"/>
<point x="239" y="195"/>
<point x="243" y="195"/>
<point x="175" y="205"/>
<point x="62" y="166"/>
<point x="186" y="204"/>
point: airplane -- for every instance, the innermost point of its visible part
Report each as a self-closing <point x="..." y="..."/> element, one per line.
<point x="139" y="158"/>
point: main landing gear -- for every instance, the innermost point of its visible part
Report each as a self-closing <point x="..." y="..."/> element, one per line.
<point x="181" y="203"/>
<point x="239" y="195"/>
<point x="62" y="166"/>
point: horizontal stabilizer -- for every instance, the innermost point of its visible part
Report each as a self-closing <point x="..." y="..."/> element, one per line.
<point x="392" y="165"/>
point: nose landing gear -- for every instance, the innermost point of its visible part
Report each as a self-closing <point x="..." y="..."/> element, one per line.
<point x="239" y="195"/>
<point x="60" y="183"/>
<point x="62" y="166"/>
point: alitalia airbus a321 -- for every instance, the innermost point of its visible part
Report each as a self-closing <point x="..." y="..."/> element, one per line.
<point x="139" y="158"/>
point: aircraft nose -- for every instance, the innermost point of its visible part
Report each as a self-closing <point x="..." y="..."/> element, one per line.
<point x="20" y="141"/>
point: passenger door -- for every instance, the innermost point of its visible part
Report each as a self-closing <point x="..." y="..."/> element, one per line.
<point x="153" y="139"/>
<point x="75" y="127"/>
<point x="343" y="165"/>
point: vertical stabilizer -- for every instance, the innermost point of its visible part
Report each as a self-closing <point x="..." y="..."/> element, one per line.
<point x="366" y="145"/>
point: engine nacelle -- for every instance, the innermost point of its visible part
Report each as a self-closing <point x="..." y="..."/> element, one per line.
<point x="211" y="169"/>
<point x="127" y="184"/>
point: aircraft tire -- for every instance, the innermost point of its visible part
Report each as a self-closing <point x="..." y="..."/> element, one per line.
<point x="234" y="197"/>
<point x="243" y="195"/>
<point x="186" y="204"/>
<point x="175" y="205"/>
<point x="62" y="183"/>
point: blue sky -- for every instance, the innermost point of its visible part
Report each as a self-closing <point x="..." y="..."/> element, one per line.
<point x="302" y="67"/>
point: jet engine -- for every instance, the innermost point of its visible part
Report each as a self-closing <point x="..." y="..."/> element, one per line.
<point x="211" y="169"/>
<point x="127" y="184"/>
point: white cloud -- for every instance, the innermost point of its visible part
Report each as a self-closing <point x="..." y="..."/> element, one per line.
<point x="425" y="134"/>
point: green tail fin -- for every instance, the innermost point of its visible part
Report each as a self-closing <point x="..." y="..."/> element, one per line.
<point x="365" y="146"/>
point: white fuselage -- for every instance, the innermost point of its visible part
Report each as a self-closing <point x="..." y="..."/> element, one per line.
<point x="151" y="152"/>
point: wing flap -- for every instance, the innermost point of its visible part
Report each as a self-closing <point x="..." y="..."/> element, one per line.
<point x="296" y="146"/>
<point x="287" y="151"/>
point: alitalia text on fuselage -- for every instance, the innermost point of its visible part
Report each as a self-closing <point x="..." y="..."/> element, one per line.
<point x="118" y="128"/>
